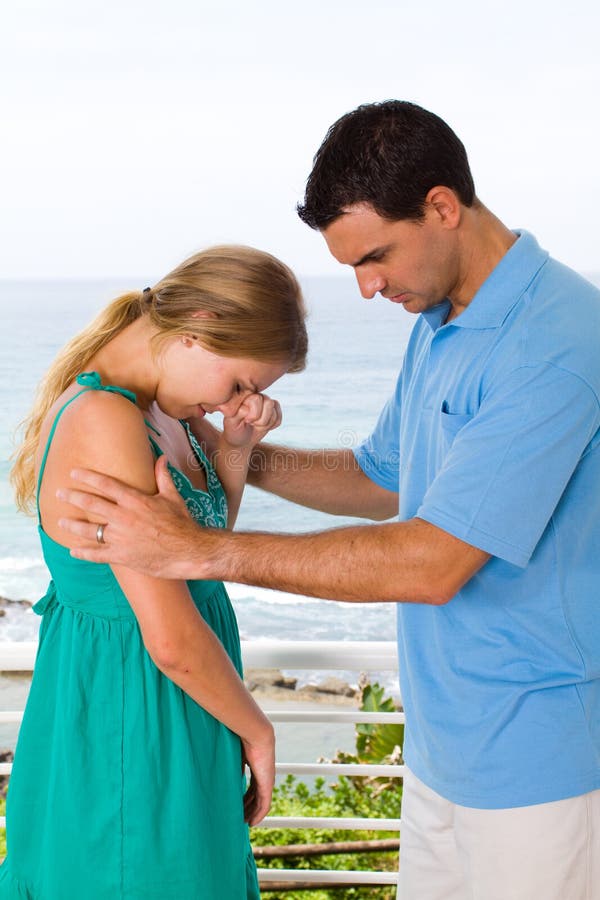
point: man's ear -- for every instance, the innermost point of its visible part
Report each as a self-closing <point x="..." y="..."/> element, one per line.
<point x="443" y="203"/>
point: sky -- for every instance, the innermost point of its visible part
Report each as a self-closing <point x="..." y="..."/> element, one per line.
<point x="135" y="132"/>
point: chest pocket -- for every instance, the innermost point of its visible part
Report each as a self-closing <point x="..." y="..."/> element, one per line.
<point x="450" y="425"/>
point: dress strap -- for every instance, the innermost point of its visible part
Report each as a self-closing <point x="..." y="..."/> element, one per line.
<point x="197" y="447"/>
<point x="89" y="381"/>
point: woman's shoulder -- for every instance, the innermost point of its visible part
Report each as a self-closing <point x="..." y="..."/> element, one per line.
<point x="100" y="428"/>
<point x="97" y="410"/>
<point x="102" y="404"/>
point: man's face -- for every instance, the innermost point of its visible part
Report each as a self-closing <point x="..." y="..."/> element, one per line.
<point x="408" y="262"/>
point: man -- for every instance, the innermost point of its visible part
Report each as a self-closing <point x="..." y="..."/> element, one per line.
<point x="492" y="443"/>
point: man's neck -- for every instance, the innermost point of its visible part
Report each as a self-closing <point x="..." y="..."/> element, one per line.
<point x="484" y="240"/>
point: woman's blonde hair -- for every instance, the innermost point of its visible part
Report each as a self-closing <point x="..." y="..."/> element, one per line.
<point x="254" y="310"/>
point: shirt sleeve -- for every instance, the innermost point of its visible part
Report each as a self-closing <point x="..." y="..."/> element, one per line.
<point x="507" y="467"/>
<point x="378" y="455"/>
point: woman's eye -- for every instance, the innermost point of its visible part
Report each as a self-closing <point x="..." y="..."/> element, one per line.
<point x="238" y="388"/>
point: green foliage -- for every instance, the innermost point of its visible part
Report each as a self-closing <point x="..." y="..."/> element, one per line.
<point x="294" y="798"/>
<point x="350" y="797"/>
<point x="378" y="743"/>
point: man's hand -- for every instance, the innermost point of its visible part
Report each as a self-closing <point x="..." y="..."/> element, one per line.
<point x="152" y="533"/>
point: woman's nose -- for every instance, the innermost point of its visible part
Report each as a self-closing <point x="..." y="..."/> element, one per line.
<point x="231" y="406"/>
<point x="228" y="408"/>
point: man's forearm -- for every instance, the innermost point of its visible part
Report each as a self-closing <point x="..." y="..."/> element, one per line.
<point x="399" y="562"/>
<point x="410" y="561"/>
<point x="328" y="480"/>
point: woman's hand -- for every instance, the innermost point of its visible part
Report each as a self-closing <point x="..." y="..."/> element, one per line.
<point x="253" y="419"/>
<point x="260" y="757"/>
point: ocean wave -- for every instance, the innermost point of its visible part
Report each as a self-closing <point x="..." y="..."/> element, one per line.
<point x="20" y="563"/>
<point x="273" y="597"/>
<point x="19" y="625"/>
<point x="268" y="596"/>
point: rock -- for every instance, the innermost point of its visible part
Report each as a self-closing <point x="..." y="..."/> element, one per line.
<point x="334" y="685"/>
<point x="274" y="685"/>
<point x="269" y="678"/>
<point x="310" y="693"/>
<point x="6" y="601"/>
<point x="331" y="685"/>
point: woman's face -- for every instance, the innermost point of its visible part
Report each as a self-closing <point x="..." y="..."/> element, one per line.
<point x="193" y="381"/>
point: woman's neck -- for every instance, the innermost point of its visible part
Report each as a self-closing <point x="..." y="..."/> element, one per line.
<point x="127" y="361"/>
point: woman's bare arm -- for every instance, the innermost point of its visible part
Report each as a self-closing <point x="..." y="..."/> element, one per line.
<point x="107" y="431"/>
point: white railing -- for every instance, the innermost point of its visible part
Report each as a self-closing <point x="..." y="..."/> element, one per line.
<point x="356" y="656"/>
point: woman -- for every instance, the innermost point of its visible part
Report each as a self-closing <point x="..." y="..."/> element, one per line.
<point x="127" y="780"/>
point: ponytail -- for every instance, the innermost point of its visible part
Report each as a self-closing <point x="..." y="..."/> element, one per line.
<point x="70" y="362"/>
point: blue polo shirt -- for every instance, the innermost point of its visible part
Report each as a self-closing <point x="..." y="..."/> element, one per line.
<point x="493" y="436"/>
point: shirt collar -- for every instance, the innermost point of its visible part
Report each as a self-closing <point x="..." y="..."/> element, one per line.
<point x="501" y="289"/>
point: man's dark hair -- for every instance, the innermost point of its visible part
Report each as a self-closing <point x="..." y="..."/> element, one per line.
<point x="388" y="155"/>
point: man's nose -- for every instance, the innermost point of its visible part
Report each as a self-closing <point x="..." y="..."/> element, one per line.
<point x="369" y="283"/>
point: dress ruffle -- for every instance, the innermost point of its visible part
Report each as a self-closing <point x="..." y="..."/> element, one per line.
<point x="12" y="888"/>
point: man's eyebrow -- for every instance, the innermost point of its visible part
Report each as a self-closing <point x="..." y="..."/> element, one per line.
<point x="377" y="253"/>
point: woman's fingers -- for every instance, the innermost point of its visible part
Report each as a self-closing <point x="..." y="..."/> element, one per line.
<point x="261" y="760"/>
<point x="250" y="803"/>
<point x="257" y="803"/>
<point x="253" y="418"/>
<point x="276" y="416"/>
<point x="260" y="412"/>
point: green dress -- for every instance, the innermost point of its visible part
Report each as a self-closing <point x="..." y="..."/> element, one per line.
<point x="123" y="787"/>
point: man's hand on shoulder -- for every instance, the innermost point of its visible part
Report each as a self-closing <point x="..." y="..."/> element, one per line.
<point x="151" y="533"/>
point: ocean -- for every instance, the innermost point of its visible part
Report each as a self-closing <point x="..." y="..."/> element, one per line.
<point x="356" y="349"/>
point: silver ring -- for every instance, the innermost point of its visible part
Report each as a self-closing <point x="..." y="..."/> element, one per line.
<point x="100" y="534"/>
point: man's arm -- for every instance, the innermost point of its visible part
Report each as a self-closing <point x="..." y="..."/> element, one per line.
<point x="410" y="561"/>
<point x="328" y="480"/>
